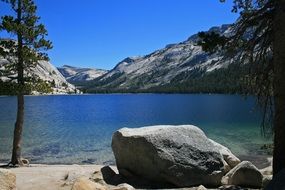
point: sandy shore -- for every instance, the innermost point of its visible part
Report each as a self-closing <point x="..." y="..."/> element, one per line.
<point x="61" y="177"/>
<point x="52" y="177"/>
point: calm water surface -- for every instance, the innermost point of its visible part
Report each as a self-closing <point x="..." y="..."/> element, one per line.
<point x="78" y="129"/>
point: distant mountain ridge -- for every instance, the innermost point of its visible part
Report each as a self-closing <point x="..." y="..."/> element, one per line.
<point x="78" y="75"/>
<point x="181" y="67"/>
<point x="175" y="65"/>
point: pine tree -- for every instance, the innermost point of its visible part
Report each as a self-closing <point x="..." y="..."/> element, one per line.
<point x="258" y="38"/>
<point x="23" y="52"/>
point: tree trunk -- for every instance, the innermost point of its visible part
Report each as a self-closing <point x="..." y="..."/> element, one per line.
<point x="16" y="154"/>
<point x="279" y="87"/>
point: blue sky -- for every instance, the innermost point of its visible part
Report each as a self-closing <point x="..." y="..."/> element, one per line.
<point x="100" y="33"/>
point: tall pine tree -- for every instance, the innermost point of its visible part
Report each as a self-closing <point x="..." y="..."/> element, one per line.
<point x="258" y="38"/>
<point x="23" y="52"/>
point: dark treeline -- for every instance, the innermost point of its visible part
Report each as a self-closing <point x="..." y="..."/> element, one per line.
<point x="12" y="88"/>
<point x="228" y="80"/>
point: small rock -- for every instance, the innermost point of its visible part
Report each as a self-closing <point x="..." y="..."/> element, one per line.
<point x="25" y="162"/>
<point x="267" y="170"/>
<point x="228" y="156"/>
<point x="85" y="184"/>
<point x="267" y="148"/>
<point x="7" y="180"/>
<point x="266" y="180"/>
<point x="124" y="186"/>
<point x="270" y="160"/>
<point x="227" y="167"/>
<point x="108" y="173"/>
<point x="244" y="174"/>
<point x="278" y="182"/>
<point x="201" y="187"/>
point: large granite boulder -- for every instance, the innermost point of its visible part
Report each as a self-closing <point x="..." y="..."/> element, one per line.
<point x="244" y="174"/>
<point x="179" y="155"/>
<point x="7" y="180"/>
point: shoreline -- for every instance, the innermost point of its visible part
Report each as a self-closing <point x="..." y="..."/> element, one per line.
<point x="45" y="177"/>
<point x="133" y="93"/>
<point x="260" y="161"/>
<point x="62" y="177"/>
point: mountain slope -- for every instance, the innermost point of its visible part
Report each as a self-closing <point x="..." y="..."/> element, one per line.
<point x="77" y="75"/>
<point x="173" y="65"/>
<point x="47" y="72"/>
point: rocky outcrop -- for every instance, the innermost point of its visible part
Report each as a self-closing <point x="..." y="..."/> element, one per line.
<point x="7" y="180"/>
<point x="45" y="71"/>
<point x="244" y="174"/>
<point x="179" y="155"/>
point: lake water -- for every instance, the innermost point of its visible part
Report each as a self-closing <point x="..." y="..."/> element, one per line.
<point x="78" y="129"/>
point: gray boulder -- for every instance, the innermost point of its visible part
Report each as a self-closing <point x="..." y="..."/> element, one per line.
<point x="244" y="174"/>
<point x="179" y="155"/>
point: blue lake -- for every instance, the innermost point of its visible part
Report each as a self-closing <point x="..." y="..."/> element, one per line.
<point x="78" y="129"/>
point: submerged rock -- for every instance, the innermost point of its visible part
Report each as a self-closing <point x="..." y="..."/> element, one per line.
<point x="7" y="180"/>
<point x="179" y="155"/>
<point x="244" y="174"/>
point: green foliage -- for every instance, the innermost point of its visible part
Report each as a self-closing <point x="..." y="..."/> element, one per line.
<point x="8" y="88"/>
<point x="52" y="83"/>
<point x="251" y="41"/>
<point x="211" y="42"/>
<point x="12" y="88"/>
<point x="64" y="85"/>
<point x="27" y="44"/>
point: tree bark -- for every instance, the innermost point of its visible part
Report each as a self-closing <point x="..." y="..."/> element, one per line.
<point x="279" y="87"/>
<point x="16" y="153"/>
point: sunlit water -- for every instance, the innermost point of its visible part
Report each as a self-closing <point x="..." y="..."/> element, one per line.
<point x="78" y="129"/>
